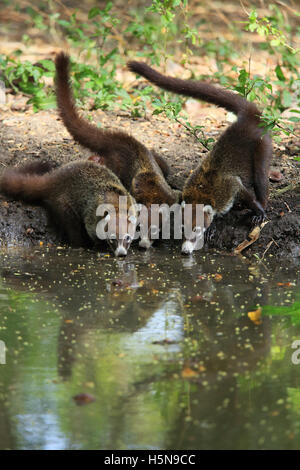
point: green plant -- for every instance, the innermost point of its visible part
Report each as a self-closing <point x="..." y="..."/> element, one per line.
<point x="157" y="33"/>
<point x="285" y="85"/>
<point x="28" y="78"/>
<point x="172" y="107"/>
<point x="162" y="29"/>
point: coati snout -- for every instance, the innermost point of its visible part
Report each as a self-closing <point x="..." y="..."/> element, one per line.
<point x="119" y="245"/>
<point x="196" y="239"/>
<point x="120" y="240"/>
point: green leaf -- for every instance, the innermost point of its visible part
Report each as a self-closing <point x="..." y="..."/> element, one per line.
<point x="48" y="65"/>
<point x="286" y="98"/>
<point x="279" y="73"/>
<point x="94" y="12"/>
<point x="275" y="42"/>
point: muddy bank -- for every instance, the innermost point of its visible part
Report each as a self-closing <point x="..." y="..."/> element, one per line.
<point x="27" y="136"/>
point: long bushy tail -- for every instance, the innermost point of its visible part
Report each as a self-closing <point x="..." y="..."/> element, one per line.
<point x="82" y="131"/>
<point x="29" y="183"/>
<point x="196" y="89"/>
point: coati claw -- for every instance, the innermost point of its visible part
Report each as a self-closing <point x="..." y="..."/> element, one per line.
<point x="258" y="219"/>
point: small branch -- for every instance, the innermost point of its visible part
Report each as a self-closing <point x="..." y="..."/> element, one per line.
<point x="268" y="247"/>
<point x="192" y="132"/>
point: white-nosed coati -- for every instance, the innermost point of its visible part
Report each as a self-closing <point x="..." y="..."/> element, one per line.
<point x="71" y="193"/>
<point x="238" y="163"/>
<point x="131" y="161"/>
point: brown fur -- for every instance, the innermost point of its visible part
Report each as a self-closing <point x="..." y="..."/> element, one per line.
<point x="71" y="194"/>
<point x="131" y="161"/>
<point x="163" y="165"/>
<point x="239" y="161"/>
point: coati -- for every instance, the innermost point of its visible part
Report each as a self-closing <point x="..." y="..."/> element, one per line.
<point x="131" y="161"/>
<point x="72" y="194"/>
<point x="239" y="161"/>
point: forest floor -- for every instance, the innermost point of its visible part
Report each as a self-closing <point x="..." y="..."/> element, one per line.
<point x="25" y="135"/>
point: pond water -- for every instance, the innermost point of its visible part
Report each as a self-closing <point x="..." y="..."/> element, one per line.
<point x="162" y="346"/>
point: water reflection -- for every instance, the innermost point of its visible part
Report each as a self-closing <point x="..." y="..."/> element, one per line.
<point x="163" y="343"/>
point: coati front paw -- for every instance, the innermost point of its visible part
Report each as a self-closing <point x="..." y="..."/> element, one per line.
<point x="258" y="218"/>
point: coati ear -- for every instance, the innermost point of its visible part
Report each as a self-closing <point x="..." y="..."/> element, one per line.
<point x="97" y="159"/>
<point x="143" y="184"/>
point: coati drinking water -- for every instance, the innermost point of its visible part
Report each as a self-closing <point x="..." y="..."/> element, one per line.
<point x="238" y="163"/>
<point x="72" y="194"/>
<point x="132" y="162"/>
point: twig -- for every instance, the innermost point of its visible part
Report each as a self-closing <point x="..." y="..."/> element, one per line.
<point x="194" y="134"/>
<point x="281" y="127"/>
<point x="289" y="187"/>
<point x="288" y="207"/>
<point x="268" y="247"/>
<point x="292" y="10"/>
<point x="243" y="7"/>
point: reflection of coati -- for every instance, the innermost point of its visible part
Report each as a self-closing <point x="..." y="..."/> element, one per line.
<point x="131" y="161"/>
<point x="71" y="194"/>
<point x="239" y="160"/>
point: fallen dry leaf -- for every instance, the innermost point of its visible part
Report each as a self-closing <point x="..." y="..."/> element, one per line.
<point x="188" y="373"/>
<point x="255" y="316"/>
<point x="253" y="235"/>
